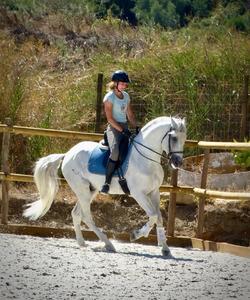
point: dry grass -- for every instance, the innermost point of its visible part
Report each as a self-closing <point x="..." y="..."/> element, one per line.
<point x="48" y="71"/>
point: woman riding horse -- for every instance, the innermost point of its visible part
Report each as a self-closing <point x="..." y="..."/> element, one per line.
<point x="118" y="110"/>
<point x="161" y="138"/>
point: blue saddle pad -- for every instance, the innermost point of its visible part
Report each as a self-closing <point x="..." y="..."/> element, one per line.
<point x="99" y="158"/>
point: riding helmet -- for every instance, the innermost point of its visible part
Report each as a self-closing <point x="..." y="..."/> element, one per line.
<point x="120" y="75"/>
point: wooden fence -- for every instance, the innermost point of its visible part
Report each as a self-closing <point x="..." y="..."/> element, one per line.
<point x="5" y="176"/>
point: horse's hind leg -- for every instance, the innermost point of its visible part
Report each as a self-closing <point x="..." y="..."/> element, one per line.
<point x="85" y="195"/>
<point x="88" y="220"/>
<point x="77" y="218"/>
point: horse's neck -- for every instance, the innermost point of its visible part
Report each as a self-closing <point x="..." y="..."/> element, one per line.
<point x="152" y="138"/>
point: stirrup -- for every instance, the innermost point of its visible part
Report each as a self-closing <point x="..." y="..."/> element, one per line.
<point x="123" y="182"/>
<point x="105" y="189"/>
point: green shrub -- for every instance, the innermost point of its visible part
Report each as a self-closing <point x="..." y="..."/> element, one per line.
<point x="242" y="158"/>
<point x="241" y="23"/>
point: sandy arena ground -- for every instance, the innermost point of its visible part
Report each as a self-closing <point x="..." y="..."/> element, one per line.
<point x="49" y="268"/>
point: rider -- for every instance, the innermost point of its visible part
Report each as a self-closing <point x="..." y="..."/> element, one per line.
<point x="118" y="110"/>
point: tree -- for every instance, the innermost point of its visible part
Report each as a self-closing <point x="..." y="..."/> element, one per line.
<point x="184" y="10"/>
<point x="142" y="11"/>
<point x="172" y="18"/>
<point x="122" y="9"/>
<point x="202" y="8"/>
<point x="161" y="12"/>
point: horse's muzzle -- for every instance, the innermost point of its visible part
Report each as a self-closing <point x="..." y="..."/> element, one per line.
<point x="175" y="161"/>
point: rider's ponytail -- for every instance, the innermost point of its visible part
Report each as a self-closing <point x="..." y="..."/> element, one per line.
<point x="111" y="86"/>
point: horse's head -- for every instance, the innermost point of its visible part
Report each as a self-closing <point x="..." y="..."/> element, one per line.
<point x="173" y="142"/>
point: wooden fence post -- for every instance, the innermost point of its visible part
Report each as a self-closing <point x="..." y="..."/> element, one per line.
<point x="99" y="102"/>
<point x="202" y="198"/>
<point x="6" y="170"/>
<point x="172" y="204"/>
<point x="244" y="110"/>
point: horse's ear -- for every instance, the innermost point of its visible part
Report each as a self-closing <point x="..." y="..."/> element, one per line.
<point x="184" y="122"/>
<point x="173" y="123"/>
<point x="183" y="125"/>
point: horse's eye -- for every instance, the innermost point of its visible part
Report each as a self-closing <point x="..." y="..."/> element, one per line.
<point x="174" y="139"/>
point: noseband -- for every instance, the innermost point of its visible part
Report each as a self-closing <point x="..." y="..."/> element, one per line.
<point x="170" y="153"/>
<point x="169" y="143"/>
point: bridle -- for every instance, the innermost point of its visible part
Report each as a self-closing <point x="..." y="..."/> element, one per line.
<point x="163" y="157"/>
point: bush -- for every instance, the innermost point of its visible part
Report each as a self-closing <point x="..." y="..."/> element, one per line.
<point x="243" y="158"/>
<point x="241" y="23"/>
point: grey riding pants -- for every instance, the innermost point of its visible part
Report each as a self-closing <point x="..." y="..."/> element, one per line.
<point x="114" y="139"/>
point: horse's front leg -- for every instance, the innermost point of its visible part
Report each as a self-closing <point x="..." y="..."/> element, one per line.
<point x="145" y="202"/>
<point x="161" y="235"/>
<point x="144" y="231"/>
<point x="77" y="219"/>
<point x="162" y="240"/>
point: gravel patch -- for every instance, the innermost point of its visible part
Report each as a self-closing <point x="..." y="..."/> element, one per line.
<point x="50" y="268"/>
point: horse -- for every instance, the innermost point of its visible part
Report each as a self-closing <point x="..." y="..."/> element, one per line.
<point x="161" y="138"/>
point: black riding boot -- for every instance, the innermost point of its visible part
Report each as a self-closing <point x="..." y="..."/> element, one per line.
<point x="109" y="173"/>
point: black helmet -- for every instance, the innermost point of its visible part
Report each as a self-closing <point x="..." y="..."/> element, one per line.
<point x="120" y="75"/>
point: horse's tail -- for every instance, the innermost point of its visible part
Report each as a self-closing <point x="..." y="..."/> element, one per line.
<point x="45" y="176"/>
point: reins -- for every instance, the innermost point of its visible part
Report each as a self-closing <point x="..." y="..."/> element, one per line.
<point x="152" y="150"/>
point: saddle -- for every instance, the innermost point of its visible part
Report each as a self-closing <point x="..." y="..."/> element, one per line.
<point x="98" y="162"/>
<point x="99" y="158"/>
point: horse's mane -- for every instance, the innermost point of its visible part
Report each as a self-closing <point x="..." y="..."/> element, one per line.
<point x="162" y="120"/>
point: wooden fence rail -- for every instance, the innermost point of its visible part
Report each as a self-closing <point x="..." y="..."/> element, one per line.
<point x="31" y="131"/>
<point x="201" y="192"/>
<point x="224" y="145"/>
<point x="181" y="189"/>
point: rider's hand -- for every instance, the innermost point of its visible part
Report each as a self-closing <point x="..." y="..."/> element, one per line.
<point x="127" y="132"/>
<point x="137" y="130"/>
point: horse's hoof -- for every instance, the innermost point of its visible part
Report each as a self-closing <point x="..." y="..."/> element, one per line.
<point x="110" y="248"/>
<point x="133" y="235"/>
<point x="82" y="243"/>
<point x="166" y="252"/>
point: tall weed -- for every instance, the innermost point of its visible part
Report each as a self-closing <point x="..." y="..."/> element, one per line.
<point x="38" y="145"/>
<point x="195" y="72"/>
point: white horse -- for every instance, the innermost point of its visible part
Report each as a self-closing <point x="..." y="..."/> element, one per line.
<point x="144" y="176"/>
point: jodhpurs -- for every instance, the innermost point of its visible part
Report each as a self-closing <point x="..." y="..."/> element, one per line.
<point x="114" y="139"/>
